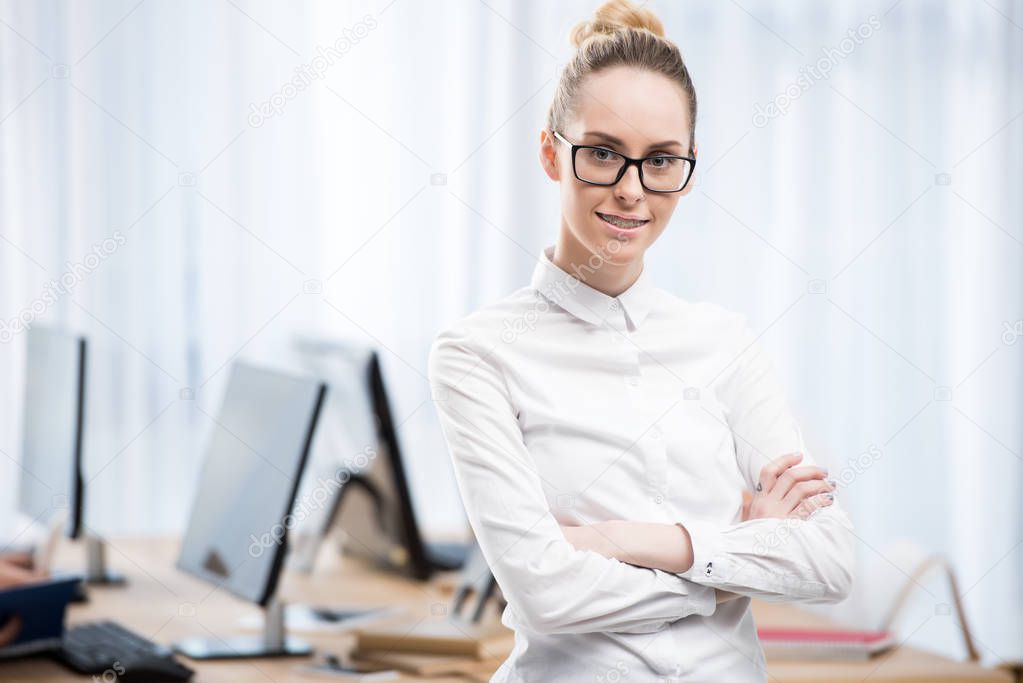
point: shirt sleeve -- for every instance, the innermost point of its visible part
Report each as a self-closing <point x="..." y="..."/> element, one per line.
<point x="550" y="585"/>
<point x="772" y="559"/>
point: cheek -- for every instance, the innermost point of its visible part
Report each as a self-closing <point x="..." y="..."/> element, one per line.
<point x="582" y="200"/>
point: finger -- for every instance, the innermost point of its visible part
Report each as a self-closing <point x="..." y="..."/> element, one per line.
<point x="793" y="476"/>
<point x="810" y="505"/>
<point x="806" y="489"/>
<point x="18" y="559"/>
<point x="13" y="575"/>
<point x="9" y="631"/>
<point x="771" y="471"/>
<point x="747" y="500"/>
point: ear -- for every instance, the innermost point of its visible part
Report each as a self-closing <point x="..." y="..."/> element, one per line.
<point x="549" y="155"/>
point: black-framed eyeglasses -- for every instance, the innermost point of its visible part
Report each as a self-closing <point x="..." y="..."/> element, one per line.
<point x="602" y="166"/>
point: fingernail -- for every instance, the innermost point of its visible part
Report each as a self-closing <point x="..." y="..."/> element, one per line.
<point x="829" y="496"/>
<point x="834" y="484"/>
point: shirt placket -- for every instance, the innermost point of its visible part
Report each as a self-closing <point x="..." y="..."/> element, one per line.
<point x="648" y="433"/>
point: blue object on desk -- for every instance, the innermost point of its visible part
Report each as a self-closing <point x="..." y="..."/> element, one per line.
<point x="41" y="607"/>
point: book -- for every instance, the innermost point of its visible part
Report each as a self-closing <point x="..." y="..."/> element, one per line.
<point x="440" y="637"/>
<point x="421" y="664"/>
<point x="41" y="607"/>
<point x="822" y="643"/>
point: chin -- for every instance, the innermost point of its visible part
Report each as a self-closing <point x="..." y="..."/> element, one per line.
<point x="617" y="250"/>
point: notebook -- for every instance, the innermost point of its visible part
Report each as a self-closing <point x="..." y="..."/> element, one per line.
<point x="41" y="607"/>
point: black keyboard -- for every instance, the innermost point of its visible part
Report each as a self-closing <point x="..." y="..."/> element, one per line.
<point x="104" y="647"/>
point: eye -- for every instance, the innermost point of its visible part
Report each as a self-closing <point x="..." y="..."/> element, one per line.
<point x="600" y="154"/>
<point x="661" y="162"/>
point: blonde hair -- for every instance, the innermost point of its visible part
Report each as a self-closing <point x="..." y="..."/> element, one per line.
<point x="620" y="34"/>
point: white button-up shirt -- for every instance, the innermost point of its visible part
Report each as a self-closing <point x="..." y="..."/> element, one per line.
<point x="561" y="404"/>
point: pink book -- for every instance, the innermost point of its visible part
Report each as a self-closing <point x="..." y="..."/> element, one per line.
<point x="823" y="643"/>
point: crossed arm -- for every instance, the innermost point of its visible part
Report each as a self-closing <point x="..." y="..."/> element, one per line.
<point x="794" y="542"/>
<point x="786" y="492"/>
<point x="559" y="580"/>
<point x="551" y="586"/>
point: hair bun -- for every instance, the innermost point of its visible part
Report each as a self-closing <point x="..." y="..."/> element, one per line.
<point x="615" y="15"/>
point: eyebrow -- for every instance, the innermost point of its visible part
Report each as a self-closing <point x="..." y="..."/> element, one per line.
<point x="615" y="141"/>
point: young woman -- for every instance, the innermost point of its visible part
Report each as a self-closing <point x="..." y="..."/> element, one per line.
<point x="627" y="459"/>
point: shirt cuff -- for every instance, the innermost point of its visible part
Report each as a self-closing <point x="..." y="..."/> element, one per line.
<point x="710" y="562"/>
<point x="703" y="600"/>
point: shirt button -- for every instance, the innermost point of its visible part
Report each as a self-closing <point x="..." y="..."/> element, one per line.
<point x="613" y="305"/>
<point x="655" y="432"/>
<point x="632" y="380"/>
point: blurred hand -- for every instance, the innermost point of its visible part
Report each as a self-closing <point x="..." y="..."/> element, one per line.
<point x="785" y="490"/>
<point x="9" y="631"/>
<point x="15" y="570"/>
<point x="19" y="559"/>
<point x="12" y="575"/>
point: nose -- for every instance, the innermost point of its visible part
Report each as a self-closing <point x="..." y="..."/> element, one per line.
<point x="629" y="189"/>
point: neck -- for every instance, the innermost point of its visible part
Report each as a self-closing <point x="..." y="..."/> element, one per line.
<point x="600" y="272"/>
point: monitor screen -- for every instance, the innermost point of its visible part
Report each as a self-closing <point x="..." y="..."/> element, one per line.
<point x="346" y="439"/>
<point x="237" y="531"/>
<point x="52" y="424"/>
<point x="377" y="516"/>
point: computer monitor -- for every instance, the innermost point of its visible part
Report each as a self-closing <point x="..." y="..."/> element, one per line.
<point x="345" y="442"/>
<point x="373" y="505"/>
<point x="52" y="488"/>
<point x="237" y="532"/>
<point x="51" y="485"/>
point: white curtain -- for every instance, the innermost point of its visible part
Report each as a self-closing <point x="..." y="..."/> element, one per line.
<point x="854" y="197"/>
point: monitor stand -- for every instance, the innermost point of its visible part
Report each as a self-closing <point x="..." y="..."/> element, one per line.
<point x="96" y="572"/>
<point x="273" y="643"/>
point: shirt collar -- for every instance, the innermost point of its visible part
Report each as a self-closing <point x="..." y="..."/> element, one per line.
<point x="587" y="303"/>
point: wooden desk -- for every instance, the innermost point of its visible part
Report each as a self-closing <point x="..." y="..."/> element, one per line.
<point x="902" y="665"/>
<point x="164" y="604"/>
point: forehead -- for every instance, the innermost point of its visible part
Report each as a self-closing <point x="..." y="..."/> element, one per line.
<point x="635" y="105"/>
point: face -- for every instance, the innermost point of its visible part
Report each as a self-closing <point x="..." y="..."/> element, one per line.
<point x="638" y="109"/>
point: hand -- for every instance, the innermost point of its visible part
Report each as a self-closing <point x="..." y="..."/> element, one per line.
<point x="785" y="490"/>
<point x="20" y="559"/>
<point x="9" y="631"/>
<point x="12" y="575"/>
